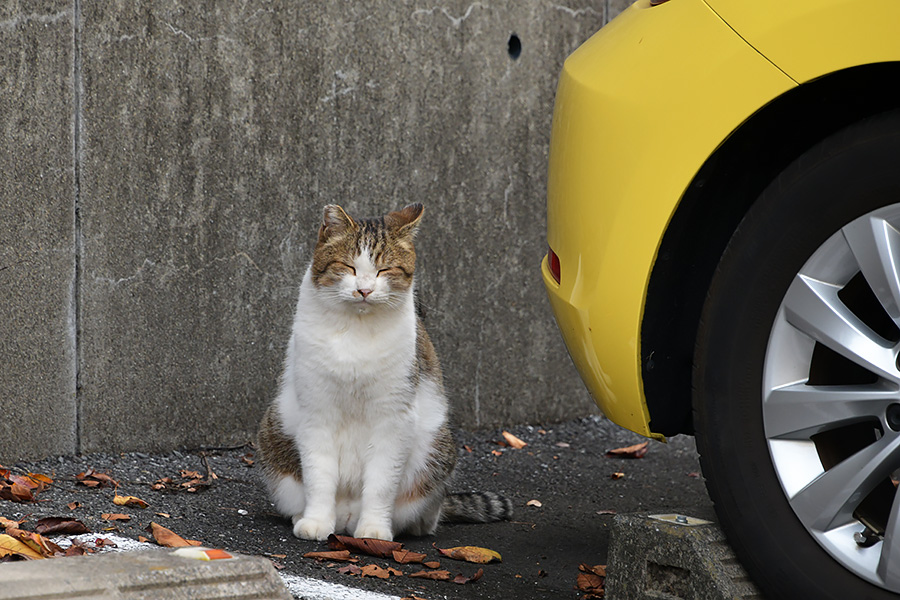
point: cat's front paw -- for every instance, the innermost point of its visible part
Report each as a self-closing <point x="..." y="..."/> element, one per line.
<point x="313" y="529"/>
<point x="373" y="530"/>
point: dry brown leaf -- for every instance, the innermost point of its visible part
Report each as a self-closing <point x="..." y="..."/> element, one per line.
<point x="472" y="554"/>
<point x="497" y="452"/>
<point x="635" y="451"/>
<point x="350" y="570"/>
<point x="7" y="523"/>
<point x="536" y="503"/>
<point x="61" y="525"/>
<point x="441" y="575"/>
<point x="370" y="546"/>
<point x="92" y="479"/>
<point x="168" y="538"/>
<point x="617" y="475"/>
<point x="432" y="564"/>
<point x="16" y="492"/>
<point x="73" y="505"/>
<point x="405" y="557"/>
<point x="115" y="517"/>
<point x="374" y="571"/>
<point x="338" y="555"/>
<point x="591" y="580"/>
<point x="513" y="441"/>
<point x="129" y="501"/>
<point x="462" y="579"/>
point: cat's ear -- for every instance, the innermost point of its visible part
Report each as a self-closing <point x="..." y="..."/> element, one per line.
<point x="406" y="220"/>
<point x="335" y="221"/>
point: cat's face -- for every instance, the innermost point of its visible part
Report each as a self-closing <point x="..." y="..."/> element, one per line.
<point x="366" y="263"/>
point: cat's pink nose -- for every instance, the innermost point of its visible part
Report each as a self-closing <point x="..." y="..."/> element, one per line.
<point x="364" y="292"/>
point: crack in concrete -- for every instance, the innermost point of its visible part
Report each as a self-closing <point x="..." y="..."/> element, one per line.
<point x="11" y="24"/>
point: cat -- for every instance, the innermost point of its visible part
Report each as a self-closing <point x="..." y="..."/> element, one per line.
<point x="357" y="439"/>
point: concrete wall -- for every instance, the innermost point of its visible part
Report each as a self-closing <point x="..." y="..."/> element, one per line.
<point x="163" y="170"/>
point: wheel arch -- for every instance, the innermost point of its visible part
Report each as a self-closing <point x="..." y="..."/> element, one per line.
<point x="712" y="207"/>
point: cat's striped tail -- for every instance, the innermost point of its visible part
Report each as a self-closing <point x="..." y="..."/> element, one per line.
<point x="476" y="507"/>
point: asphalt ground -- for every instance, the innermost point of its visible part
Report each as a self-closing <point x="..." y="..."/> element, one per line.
<point x="564" y="468"/>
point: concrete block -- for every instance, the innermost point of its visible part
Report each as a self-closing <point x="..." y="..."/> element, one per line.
<point x="660" y="558"/>
<point x="37" y="233"/>
<point x="211" y="139"/>
<point x="154" y="574"/>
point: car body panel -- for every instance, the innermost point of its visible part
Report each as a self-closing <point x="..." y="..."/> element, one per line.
<point x="809" y="39"/>
<point x="640" y="107"/>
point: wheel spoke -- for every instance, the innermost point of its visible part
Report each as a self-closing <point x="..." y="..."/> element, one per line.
<point x="889" y="562"/>
<point x="830" y="499"/>
<point x="876" y="246"/>
<point x="800" y="411"/>
<point x="814" y="308"/>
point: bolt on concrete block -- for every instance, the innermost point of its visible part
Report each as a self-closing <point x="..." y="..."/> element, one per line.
<point x="662" y="557"/>
<point x="156" y="574"/>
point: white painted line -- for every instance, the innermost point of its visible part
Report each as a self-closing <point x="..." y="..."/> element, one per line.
<point x="313" y="589"/>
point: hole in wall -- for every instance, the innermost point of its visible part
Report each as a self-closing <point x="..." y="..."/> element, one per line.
<point x="514" y="46"/>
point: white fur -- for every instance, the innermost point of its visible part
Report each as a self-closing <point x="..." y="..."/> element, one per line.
<point x="362" y="428"/>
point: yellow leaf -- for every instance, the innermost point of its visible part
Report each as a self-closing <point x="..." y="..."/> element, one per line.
<point x="473" y="554"/>
<point x="10" y="545"/>
<point x="129" y="501"/>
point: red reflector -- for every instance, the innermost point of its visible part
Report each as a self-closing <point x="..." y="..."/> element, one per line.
<point x="553" y="262"/>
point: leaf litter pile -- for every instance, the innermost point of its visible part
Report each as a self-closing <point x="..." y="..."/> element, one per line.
<point x="342" y="549"/>
<point x="180" y="500"/>
<point x="25" y="540"/>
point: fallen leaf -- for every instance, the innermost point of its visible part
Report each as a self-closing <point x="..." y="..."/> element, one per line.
<point x="115" y="517"/>
<point x="462" y="579"/>
<point x="168" y="538"/>
<point x="513" y="440"/>
<point x="617" y="475"/>
<point x="7" y="523"/>
<point x="591" y="579"/>
<point x="339" y="555"/>
<point x="635" y="451"/>
<point x="472" y="554"/>
<point x="103" y="543"/>
<point x="129" y="501"/>
<point x="247" y="459"/>
<point x="370" y="546"/>
<point x="405" y="557"/>
<point x="432" y="564"/>
<point x="91" y="478"/>
<point x="143" y="539"/>
<point x="467" y="448"/>
<point x="164" y="515"/>
<point x="61" y="525"/>
<point x="16" y="492"/>
<point x="10" y="545"/>
<point x="190" y="474"/>
<point x="350" y="570"/>
<point x="442" y="575"/>
<point x="497" y="452"/>
<point x="536" y="503"/>
<point x="374" y="571"/>
<point x="606" y="511"/>
<point x="44" y="479"/>
<point x="73" y="505"/>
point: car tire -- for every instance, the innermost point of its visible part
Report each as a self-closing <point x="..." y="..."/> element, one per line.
<point x="766" y="467"/>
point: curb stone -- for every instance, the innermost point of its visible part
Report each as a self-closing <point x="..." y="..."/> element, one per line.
<point x="673" y="557"/>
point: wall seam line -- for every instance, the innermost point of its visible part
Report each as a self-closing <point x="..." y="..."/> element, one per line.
<point x="77" y="156"/>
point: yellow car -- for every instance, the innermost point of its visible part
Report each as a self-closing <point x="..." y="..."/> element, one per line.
<point x="723" y="219"/>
